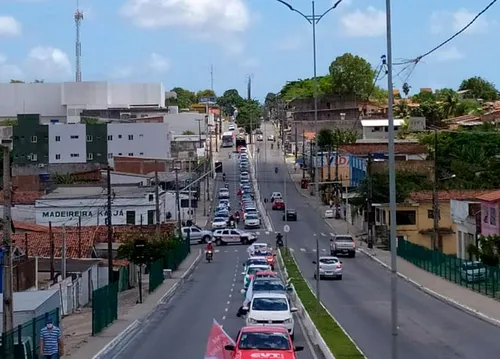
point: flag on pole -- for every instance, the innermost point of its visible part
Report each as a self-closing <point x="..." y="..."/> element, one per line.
<point x="217" y="340"/>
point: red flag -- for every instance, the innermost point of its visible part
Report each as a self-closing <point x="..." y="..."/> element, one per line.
<point x="217" y="340"/>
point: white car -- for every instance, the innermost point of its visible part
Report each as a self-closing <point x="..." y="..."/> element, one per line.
<point x="196" y="234"/>
<point x="271" y="309"/>
<point x="249" y="211"/>
<point x="329" y="213"/>
<point x="270" y="138"/>
<point x="223" y="193"/>
<point x="226" y="203"/>
<point x="255" y="247"/>
<point x="260" y="138"/>
<point x="252" y="221"/>
<point x="276" y="195"/>
<point x="329" y="267"/>
<point x="250" y="272"/>
<point x="230" y="128"/>
<point x="219" y="223"/>
<point x="228" y="236"/>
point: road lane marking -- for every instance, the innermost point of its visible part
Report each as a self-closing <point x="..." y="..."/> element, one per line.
<point x="314" y="250"/>
<point x="228" y="302"/>
<point x="292" y="250"/>
<point x="324" y="250"/>
<point x="332" y="234"/>
<point x="236" y="250"/>
<point x="302" y="249"/>
<point x="324" y="235"/>
<point x="257" y="233"/>
<point x="216" y="251"/>
<point x="224" y="318"/>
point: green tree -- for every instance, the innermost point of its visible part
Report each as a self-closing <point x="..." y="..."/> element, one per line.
<point x="327" y="139"/>
<point x="249" y="114"/>
<point x="424" y="97"/>
<point x="16" y="82"/>
<point x="156" y="248"/>
<point x="406" y="89"/>
<point x="185" y="98"/>
<point x="304" y="89"/>
<point x="230" y="100"/>
<point x="468" y="107"/>
<point x="449" y="101"/>
<point x="352" y="75"/>
<point x="205" y="93"/>
<point x="188" y="132"/>
<point x="379" y="95"/>
<point x="479" y="88"/>
<point x="9" y="122"/>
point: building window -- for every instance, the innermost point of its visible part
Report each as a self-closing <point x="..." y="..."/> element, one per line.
<point x="130" y="217"/>
<point x="34" y="157"/>
<point x="119" y="136"/>
<point x="58" y="138"/>
<point x="110" y="155"/>
<point x="58" y="157"/>
<point x="110" y="137"/>
<point x="90" y="138"/>
<point x="430" y="214"/>
<point x="141" y="153"/>
<point x="131" y="154"/>
<point x="406" y="218"/>
<point x="74" y="137"/>
<point x="151" y="216"/>
<point x="34" y="139"/>
<point x="151" y="198"/>
<point x="75" y="155"/>
<point x="493" y="216"/>
<point x="376" y="129"/>
<point x="141" y="135"/>
<point x="90" y="156"/>
<point x="119" y="154"/>
<point x="130" y="137"/>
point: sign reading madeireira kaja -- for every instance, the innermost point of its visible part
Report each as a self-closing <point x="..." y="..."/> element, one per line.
<point x="77" y="214"/>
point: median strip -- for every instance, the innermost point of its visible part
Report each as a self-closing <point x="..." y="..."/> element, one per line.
<point x="339" y="343"/>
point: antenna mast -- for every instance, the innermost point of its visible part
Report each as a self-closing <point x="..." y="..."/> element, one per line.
<point x="78" y="44"/>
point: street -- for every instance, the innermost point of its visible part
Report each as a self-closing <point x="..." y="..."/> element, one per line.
<point x="361" y="301"/>
<point x="179" y="329"/>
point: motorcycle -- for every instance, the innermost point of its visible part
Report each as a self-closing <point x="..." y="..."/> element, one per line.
<point x="279" y="241"/>
<point x="276" y="170"/>
<point x="209" y="256"/>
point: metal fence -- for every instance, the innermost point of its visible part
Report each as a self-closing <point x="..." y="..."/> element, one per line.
<point x="480" y="278"/>
<point x="26" y="337"/>
<point x="171" y="261"/>
<point x="104" y="307"/>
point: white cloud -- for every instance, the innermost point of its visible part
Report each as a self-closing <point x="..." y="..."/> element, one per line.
<point x="368" y="23"/>
<point x="9" y="71"/>
<point x="250" y="63"/>
<point x="158" y="63"/>
<point x="46" y="62"/>
<point x="9" y="26"/>
<point x="447" y="22"/>
<point x="449" y="54"/>
<point x="290" y="43"/>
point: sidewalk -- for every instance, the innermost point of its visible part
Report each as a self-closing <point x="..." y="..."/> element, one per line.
<point x="79" y="344"/>
<point x="462" y="298"/>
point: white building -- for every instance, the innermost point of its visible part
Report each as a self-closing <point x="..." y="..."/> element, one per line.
<point x="131" y="205"/>
<point x="465" y="214"/>
<point x="63" y="102"/>
<point x="151" y="140"/>
<point x="67" y="143"/>
<point x="186" y="121"/>
<point x="379" y="129"/>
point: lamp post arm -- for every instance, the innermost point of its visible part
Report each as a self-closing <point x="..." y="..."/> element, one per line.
<point x="327" y="11"/>
<point x="297" y="11"/>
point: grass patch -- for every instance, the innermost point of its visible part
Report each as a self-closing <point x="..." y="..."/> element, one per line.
<point x="339" y="343"/>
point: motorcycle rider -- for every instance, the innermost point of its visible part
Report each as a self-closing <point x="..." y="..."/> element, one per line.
<point x="275" y="169"/>
<point x="279" y="240"/>
<point x="237" y="217"/>
<point x="224" y="177"/>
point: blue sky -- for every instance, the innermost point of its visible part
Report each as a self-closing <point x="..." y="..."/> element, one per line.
<point x="176" y="41"/>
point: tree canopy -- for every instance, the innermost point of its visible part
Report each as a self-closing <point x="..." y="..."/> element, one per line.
<point x="185" y="98"/>
<point x="327" y="139"/>
<point x="205" y="93"/>
<point x="351" y="74"/>
<point x="249" y="115"/>
<point x="479" y="88"/>
<point x="230" y="100"/>
<point x="156" y="248"/>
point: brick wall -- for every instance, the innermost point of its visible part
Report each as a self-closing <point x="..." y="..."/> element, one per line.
<point x="422" y="167"/>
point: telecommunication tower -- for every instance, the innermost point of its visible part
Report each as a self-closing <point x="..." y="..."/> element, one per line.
<point x="78" y="45"/>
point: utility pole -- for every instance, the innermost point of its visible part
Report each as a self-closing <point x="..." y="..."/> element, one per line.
<point x="189" y="193"/>
<point x="199" y="131"/>
<point x="63" y="254"/>
<point x="369" y="200"/>
<point x="157" y="200"/>
<point x="52" y="254"/>
<point x="215" y="119"/>
<point x="178" y="200"/>
<point x="435" y="198"/>
<point x="313" y="168"/>
<point x="296" y="139"/>
<point x="110" y="227"/>
<point x="337" y="184"/>
<point x="8" y="300"/>
<point x="318" y="299"/>
<point x="80" y="236"/>
<point x="303" y="154"/>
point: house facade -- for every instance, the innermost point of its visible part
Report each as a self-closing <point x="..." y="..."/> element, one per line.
<point x="490" y="206"/>
<point x="467" y="218"/>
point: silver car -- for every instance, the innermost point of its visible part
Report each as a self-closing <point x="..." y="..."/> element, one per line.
<point x="329" y="267"/>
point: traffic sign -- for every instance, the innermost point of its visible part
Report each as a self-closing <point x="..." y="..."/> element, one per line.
<point x="286" y="228"/>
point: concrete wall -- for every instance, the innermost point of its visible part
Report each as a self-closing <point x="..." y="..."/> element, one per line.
<point x="44" y="99"/>
<point x="139" y="140"/>
<point x="21" y="213"/>
<point x="117" y="178"/>
<point x="54" y="168"/>
<point x="67" y="143"/>
<point x="186" y="121"/>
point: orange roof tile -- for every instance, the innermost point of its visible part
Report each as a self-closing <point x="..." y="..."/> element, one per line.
<point x="447" y="195"/>
<point x="309" y="135"/>
<point x="23" y="197"/>
<point x="400" y="148"/>
<point x="29" y="227"/>
<point x="491" y="196"/>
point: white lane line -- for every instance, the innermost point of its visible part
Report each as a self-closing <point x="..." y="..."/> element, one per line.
<point x="314" y="250"/>
<point x="226" y="309"/>
<point x="226" y="251"/>
<point x="291" y="249"/>
<point x="324" y="250"/>
<point x="324" y="235"/>
<point x="216" y="251"/>
<point x="224" y="318"/>
<point x="332" y="234"/>
<point x="228" y="302"/>
<point x="232" y="289"/>
<point x="233" y="283"/>
<point x="302" y="249"/>
<point x="236" y="250"/>
<point x="257" y="233"/>
<point x="230" y="295"/>
<point x="267" y="232"/>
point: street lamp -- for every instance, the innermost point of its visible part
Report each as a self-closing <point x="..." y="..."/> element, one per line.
<point x="313" y="20"/>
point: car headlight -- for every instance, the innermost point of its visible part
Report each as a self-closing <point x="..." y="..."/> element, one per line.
<point x="251" y="321"/>
<point x="321" y="269"/>
<point x="288" y="321"/>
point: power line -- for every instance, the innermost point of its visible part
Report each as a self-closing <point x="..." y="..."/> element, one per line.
<point x="411" y="64"/>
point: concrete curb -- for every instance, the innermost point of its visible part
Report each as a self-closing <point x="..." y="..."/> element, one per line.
<point x="164" y="299"/>
<point x="436" y="295"/>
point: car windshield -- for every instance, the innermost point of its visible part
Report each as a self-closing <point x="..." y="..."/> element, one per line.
<point x="472" y="266"/>
<point x="270" y="304"/>
<point x="219" y="219"/>
<point x="252" y="216"/>
<point x="268" y="286"/>
<point x="256" y="261"/>
<point x="343" y="239"/>
<point x="250" y="210"/>
<point x="328" y="260"/>
<point x="254" y="270"/>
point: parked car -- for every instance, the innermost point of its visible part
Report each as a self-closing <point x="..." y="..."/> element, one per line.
<point x="343" y="244"/>
<point x="290" y="215"/>
<point x="196" y="234"/>
<point x="252" y="221"/>
<point x="473" y="271"/>
<point x="329" y="213"/>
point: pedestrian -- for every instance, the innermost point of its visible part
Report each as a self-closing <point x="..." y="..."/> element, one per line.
<point x="51" y="344"/>
<point x="331" y="203"/>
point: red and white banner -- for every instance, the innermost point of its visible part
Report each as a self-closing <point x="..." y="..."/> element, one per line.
<point x="217" y="340"/>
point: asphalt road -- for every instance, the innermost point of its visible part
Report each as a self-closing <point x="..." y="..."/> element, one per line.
<point x="179" y="329"/>
<point x="429" y="328"/>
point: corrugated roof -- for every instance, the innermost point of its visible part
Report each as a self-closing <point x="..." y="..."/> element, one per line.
<point x="448" y="195"/>
<point x="30" y="300"/>
<point x="23" y="197"/>
<point x="400" y="148"/>
<point x="492" y="196"/>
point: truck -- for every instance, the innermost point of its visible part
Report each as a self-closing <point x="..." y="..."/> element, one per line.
<point x="240" y="142"/>
<point x="196" y="234"/>
<point x="343" y="244"/>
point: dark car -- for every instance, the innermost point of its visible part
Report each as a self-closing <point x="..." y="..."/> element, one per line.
<point x="290" y="215"/>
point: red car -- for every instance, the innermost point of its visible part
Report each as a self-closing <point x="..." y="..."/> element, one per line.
<point x="278" y="205"/>
<point x="266" y="274"/>
<point x="255" y="342"/>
